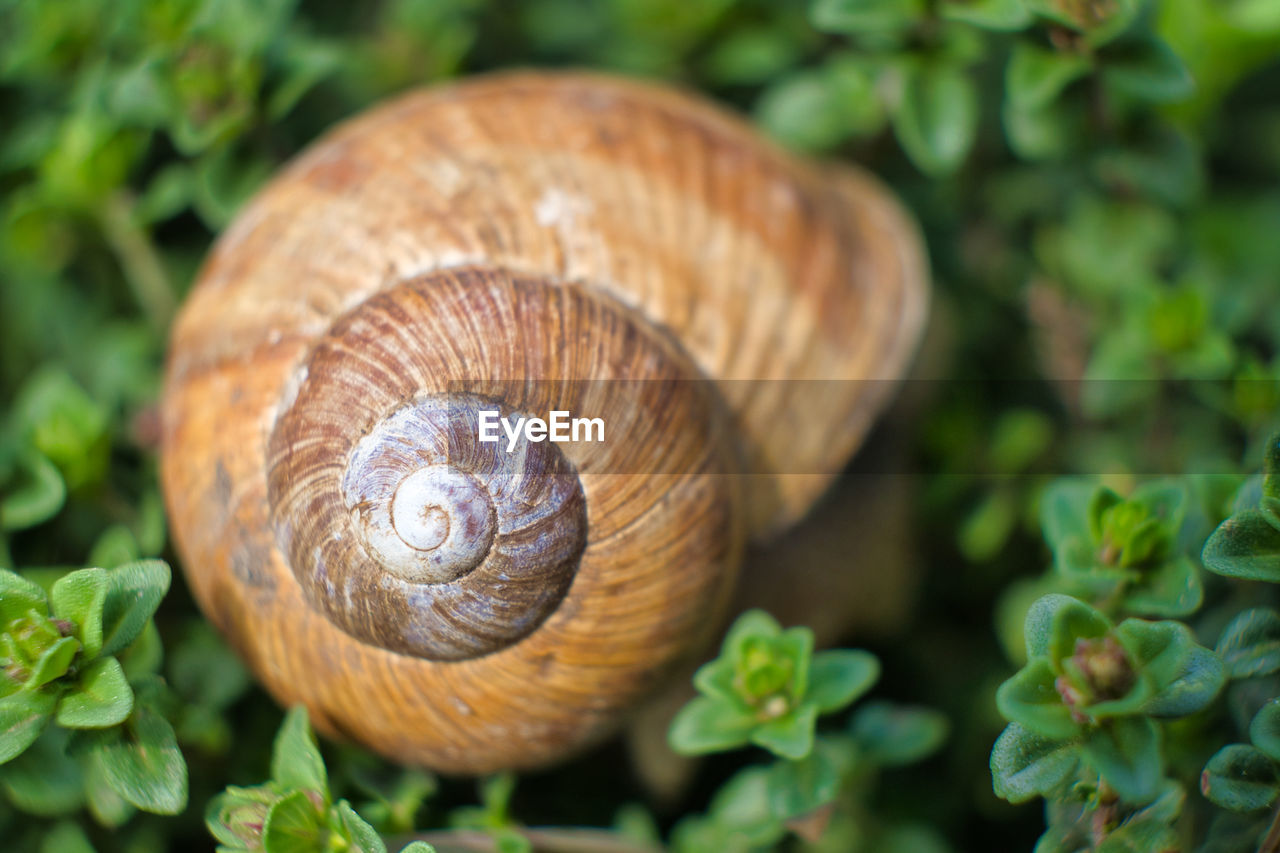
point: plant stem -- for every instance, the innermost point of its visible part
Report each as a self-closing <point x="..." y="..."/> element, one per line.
<point x="141" y="264"/>
<point x="1271" y="843"/>
<point x="544" y="840"/>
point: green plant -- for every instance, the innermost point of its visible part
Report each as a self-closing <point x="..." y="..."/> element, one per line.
<point x="61" y="656"/>
<point x="768" y="688"/>
<point x="294" y="811"/>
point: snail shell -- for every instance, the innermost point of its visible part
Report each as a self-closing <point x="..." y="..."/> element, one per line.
<point x="518" y="243"/>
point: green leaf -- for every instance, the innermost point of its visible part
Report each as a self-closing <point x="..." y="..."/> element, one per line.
<point x="52" y="411"/>
<point x="54" y="662"/>
<point x="1147" y="68"/>
<point x="839" y="676"/>
<point x="742" y="805"/>
<point x="236" y="816"/>
<point x="18" y="596"/>
<point x="1007" y="15"/>
<point x="33" y="495"/>
<point x="790" y="735"/>
<point x="1055" y="622"/>
<point x="1250" y="644"/>
<point x="1244" y="546"/>
<point x="1031" y="699"/>
<point x="855" y="16"/>
<point x="23" y="715"/>
<point x="143" y="764"/>
<point x="133" y="593"/>
<point x="937" y="118"/>
<point x="295" y="758"/>
<point x="1065" y="510"/>
<point x="893" y="735"/>
<point x="798" y="787"/>
<point x="1241" y="779"/>
<point x="1035" y="76"/>
<point x="66" y="837"/>
<point x="1025" y="765"/>
<point x="79" y="597"/>
<point x="44" y="780"/>
<point x="1264" y="731"/>
<point x="709" y="725"/>
<point x="294" y="825"/>
<point x="418" y="847"/>
<point x="101" y="697"/>
<point x="1184" y="676"/>
<point x="359" y="834"/>
<point x="107" y="807"/>
<point x="715" y="679"/>
<point x="1271" y="467"/>
<point x="1171" y="589"/>
<point x="1126" y="752"/>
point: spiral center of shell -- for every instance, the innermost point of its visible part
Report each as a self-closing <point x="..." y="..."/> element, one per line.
<point x="441" y="513"/>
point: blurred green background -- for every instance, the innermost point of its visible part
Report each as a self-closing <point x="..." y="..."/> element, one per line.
<point x="1099" y="184"/>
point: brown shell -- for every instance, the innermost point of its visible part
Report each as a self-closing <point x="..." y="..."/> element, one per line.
<point x="542" y="241"/>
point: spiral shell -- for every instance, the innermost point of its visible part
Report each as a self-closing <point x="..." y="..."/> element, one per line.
<point x="520" y="243"/>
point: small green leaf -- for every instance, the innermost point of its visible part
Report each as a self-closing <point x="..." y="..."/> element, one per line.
<point x="101" y="697"/>
<point x="798" y="787"/>
<point x="1241" y="779"/>
<point x="1031" y="699"/>
<point x="855" y="16"/>
<point x="1065" y="510"/>
<point x="236" y="816"/>
<point x="1271" y="467"/>
<point x="23" y="715"/>
<point x="743" y="805"/>
<point x="418" y="847"/>
<point x="66" y="837"/>
<point x="1025" y="765"/>
<point x="1250" y="644"/>
<point x="18" y="596"/>
<point x="356" y="831"/>
<point x="839" y="676"/>
<point x="44" y="780"/>
<point x="33" y="495"/>
<point x="753" y="623"/>
<point x="790" y="735"/>
<point x="133" y="592"/>
<point x="1126" y="752"/>
<point x="1007" y="15"/>
<point x="1055" y="622"/>
<point x="116" y="545"/>
<point x="893" y="735"/>
<point x="54" y="662"/>
<point x="1035" y="76"/>
<point x="1147" y="68"/>
<point x="143" y="764"/>
<point x="1264" y="731"/>
<point x="1172" y="588"/>
<point x="1244" y="546"/>
<point x="107" y="807"/>
<point x="709" y="725"/>
<point x="1184" y="675"/>
<point x="294" y="825"/>
<point x="295" y="759"/>
<point x="937" y="119"/>
<point x="79" y="597"/>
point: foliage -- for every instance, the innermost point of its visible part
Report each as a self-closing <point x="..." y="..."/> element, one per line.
<point x="767" y="687"/>
<point x="1097" y="181"/>
<point x="294" y="811"/>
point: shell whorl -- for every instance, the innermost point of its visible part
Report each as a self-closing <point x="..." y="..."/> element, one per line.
<point x="405" y="529"/>
<point x="539" y="241"/>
